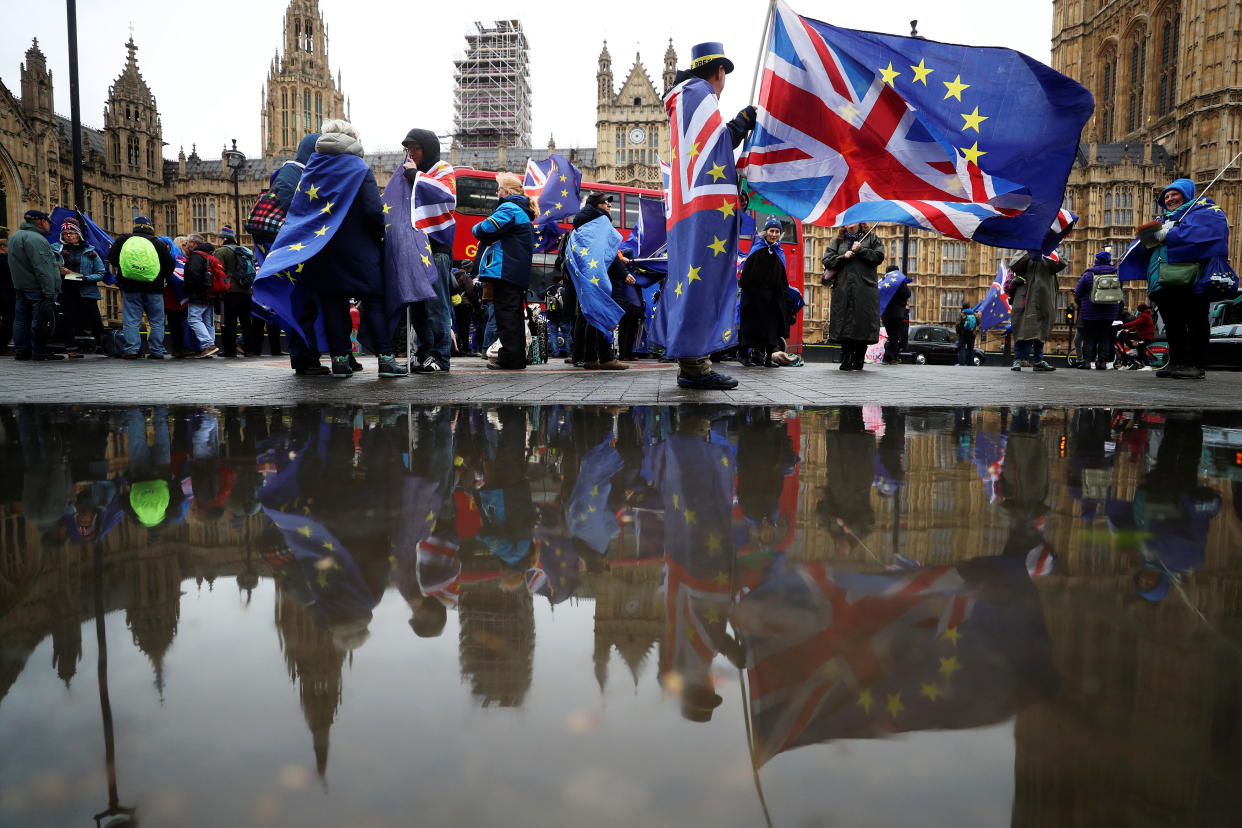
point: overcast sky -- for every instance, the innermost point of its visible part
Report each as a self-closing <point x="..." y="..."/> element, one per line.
<point x="207" y="75"/>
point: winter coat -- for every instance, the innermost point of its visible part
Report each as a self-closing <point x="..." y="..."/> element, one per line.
<point x="352" y="261"/>
<point x="167" y="264"/>
<point x="855" y="304"/>
<point x="32" y="263"/>
<point x="198" y="274"/>
<point x="1034" y="299"/>
<point x="228" y="258"/>
<point x="288" y="176"/>
<point x="897" y="309"/>
<point x="765" y="292"/>
<point x="86" y="261"/>
<point x="1089" y="311"/>
<point x="509" y="236"/>
<point x="1143" y="325"/>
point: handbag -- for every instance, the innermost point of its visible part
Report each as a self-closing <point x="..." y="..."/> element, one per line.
<point x="45" y="318"/>
<point x="829" y="278"/>
<point x="1217" y="280"/>
<point x="266" y="218"/>
<point x="1175" y="274"/>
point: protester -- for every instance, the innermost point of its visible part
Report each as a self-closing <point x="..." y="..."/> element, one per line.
<point x="179" y="339"/>
<point x="1139" y="331"/>
<point x="434" y="197"/>
<point x="303" y="355"/>
<point x="560" y="316"/>
<point x="967" y="327"/>
<point x="1033" y="297"/>
<point x="596" y="347"/>
<point x="853" y="256"/>
<point x="506" y="244"/>
<point x="144" y="263"/>
<point x="238" y="263"/>
<point x="465" y="306"/>
<point x="83" y="268"/>
<point x="36" y="279"/>
<point x="706" y="76"/>
<point x="200" y="311"/>
<point x="896" y="321"/>
<point x="8" y="297"/>
<point x="1099" y="304"/>
<point x="765" y="291"/>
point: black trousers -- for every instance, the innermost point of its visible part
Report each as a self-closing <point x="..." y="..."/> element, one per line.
<point x="1186" y="325"/>
<point x="81" y="314"/>
<point x="237" y="312"/>
<point x="508" y="306"/>
<point x="1097" y="340"/>
<point x="627" y="333"/>
<point x="257" y="324"/>
<point x="303" y="354"/>
<point x="896" y="330"/>
<point x="596" y="347"/>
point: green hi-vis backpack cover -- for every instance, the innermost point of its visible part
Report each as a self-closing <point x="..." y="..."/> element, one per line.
<point x="140" y="261"/>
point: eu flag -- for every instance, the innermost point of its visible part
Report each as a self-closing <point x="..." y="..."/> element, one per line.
<point x="409" y="269"/>
<point x="590" y="519"/>
<point x="592" y="247"/>
<point x="698" y="306"/>
<point x="324" y="195"/>
<point x="994" y="310"/>
<point x="889" y="285"/>
<point x="857" y="126"/>
<point x="555" y="185"/>
<point x="650" y="233"/>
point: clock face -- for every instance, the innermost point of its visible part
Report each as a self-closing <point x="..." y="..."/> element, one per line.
<point x="638" y="135"/>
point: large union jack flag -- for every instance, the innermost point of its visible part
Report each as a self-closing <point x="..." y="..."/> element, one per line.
<point x="435" y="197"/>
<point x="698" y="306"/>
<point x="855" y="126"/>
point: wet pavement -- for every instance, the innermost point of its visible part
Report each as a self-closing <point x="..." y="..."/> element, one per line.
<point x="620" y="615"/>
<point x="269" y="381"/>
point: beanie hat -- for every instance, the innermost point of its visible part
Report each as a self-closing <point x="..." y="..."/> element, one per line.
<point x="149" y="500"/>
<point x="1104" y="257"/>
<point x="36" y="215"/>
<point x="772" y="221"/>
<point x="70" y="225"/>
<point x="227" y="231"/>
<point x="142" y="223"/>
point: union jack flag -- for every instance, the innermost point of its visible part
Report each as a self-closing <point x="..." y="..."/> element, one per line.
<point x="435" y="197"/>
<point x="995" y="310"/>
<point x="847" y="133"/>
<point x="698" y="307"/>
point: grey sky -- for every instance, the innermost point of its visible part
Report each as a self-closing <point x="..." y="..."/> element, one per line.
<point x="207" y="75"/>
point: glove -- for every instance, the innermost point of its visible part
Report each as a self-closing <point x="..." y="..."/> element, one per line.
<point x="1163" y="232"/>
<point x="747" y="116"/>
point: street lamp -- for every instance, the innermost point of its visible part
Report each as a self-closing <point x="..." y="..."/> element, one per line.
<point x="235" y="158"/>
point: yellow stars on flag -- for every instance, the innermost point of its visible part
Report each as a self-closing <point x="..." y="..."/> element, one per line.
<point x="694" y="149"/>
<point x="676" y="501"/>
<point x="305" y="531"/>
<point x="949" y="666"/>
<point x="593" y="264"/>
<point x="972" y="153"/>
<point x="677" y="292"/>
<point x="865" y="701"/>
<point x="726" y="208"/>
<point x="712" y="616"/>
<point x="312" y="192"/>
<point x="690" y="517"/>
<point x="889" y="74"/>
<point x="322" y="230"/>
<point x="717" y="246"/>
<point x="327" y="208"/>
<point x="713" y="544"/>
<point x="558" y="205"/>
<point x="716" y="172"/>
<point x="563" y="178"/>
<point x="328" y="546"/>
<point x="930" y="690"/>
<point x="693" y="275"/>
<point x="727" y="335"/>
<point x="724" y="461"/>
<point x="951" y="634"/>
<point x="387" y="209"/>
<point x="594" y="280"/>
<point x="564" y="192"/>
<point x="920" y="72"/>
<point x="894" y="705"/>
<point x="296" y="247"/>
<point x="298" y="269"/>
<point x="426" y="261"/>
<point x="955" y="88"/>
<point x="973" y="120"/>
<point x="721" y="579"/>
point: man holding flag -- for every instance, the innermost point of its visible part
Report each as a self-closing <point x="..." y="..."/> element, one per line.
<point x="698" y="305"/>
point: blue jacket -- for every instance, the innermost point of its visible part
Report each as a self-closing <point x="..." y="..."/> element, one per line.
<point x="509" y="236"/>
<point x="92" y="270"/>
<point x="1090" y="311"/>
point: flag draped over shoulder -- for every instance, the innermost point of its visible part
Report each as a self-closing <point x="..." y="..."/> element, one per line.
<point x="328" y="187"/>
<point x="974" y="143"/>
<point x="92" y="234"/>
<point x="889" y="286"/>
<point x="435" y="197"/>
<point x="995" y="311"/>
<point x="555" y="184"/>
<point x="1200" y="234"/>
<point x="592" y="247"/>
<point x="698" y="305"/>
<point x="409" y="269"/>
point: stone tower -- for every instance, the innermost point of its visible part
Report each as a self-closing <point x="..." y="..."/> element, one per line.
<point x="300" y="93"/>
<point x="132" y="123"/>
<point x="36" y="83"/>
<point x="670" y="66"/>
<point x="631" y="125"/>
<point x="603" y="78"/>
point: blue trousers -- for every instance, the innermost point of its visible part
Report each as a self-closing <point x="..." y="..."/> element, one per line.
<point x="133" y="305"/>
<point x="26" y="338"/>
<point x="433" y="318"/>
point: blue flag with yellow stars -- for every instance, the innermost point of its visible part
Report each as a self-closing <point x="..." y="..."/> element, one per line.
<point x="409" y="268"/>
<point x="698" y="306"/>
<point x="854" y="126"/>
<point x="590" y="519"/>
<point x="327" y="189"/>
<point x="592" y="248"/>
<point x="555" y="185"/>
<point x="889" y="285"/>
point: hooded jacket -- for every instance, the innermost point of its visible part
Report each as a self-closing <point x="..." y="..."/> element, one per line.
<point x="288" y="176"/>
<point x="1090" y="311"/>
<point x="32" y="263"/>
<point x="89" y="263"/>
<point x="509" y="236"/>
<point x="431" y="164"/>
<point x="198" y="274"/>
<point x="166" y="264"/>
<point x="352" y="261"/>
<point x="430" y="144"/>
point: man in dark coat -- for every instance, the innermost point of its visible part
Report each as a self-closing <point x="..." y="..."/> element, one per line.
<point x="855" y="321"/>
<point x="765" y="292"/>
<point x="896" y="320"/>
<point x="432" y="318"/>
<point x="596" y="350"/>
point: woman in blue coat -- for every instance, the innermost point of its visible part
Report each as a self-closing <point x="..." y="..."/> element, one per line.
<point x="83" y="268"/>
<point x="506" y="244"/>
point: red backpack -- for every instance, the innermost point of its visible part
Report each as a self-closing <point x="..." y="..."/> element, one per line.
<point x="219" y="279"/>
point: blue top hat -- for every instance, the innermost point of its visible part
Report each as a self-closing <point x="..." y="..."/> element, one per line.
<point x="704" y="54"/>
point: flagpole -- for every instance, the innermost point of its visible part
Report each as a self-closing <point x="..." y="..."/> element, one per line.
<point x="763" y="45"/>
<point x="750" y="746"/>
<point x="1195" y="202"/>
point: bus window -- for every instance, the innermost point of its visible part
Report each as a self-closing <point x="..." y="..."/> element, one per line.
<point x="631" y="210"/>
<point x="615" y="213"/>
<point x="476" y="196"/>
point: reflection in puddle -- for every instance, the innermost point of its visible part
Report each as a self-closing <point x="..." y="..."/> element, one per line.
<point x="1055" y="592"/>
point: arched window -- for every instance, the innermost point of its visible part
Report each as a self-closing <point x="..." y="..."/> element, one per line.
<point x="134" y="154"/>
<point x="1168" y="63"/>
<point x="1138" y="69"/>
<point x="284" y="117"/>
<point x="310" y="41"/>
<point x="1108" y="92"/>
<point x="318" y="107"/>
<point x="297" y="34"/>
<point x="306" y="110"/>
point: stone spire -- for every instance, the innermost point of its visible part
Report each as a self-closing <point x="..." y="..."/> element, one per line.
<point x="670" y="65"/>
<point x="604" y="76"/>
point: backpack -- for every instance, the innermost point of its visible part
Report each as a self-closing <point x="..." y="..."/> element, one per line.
<point x="244" y="272"/>
<point x="139" y="260"/>
<point x="966" y="324"/>
<point x="1106" y="289"/>
<point x="555" y="301"/>
<point x="219" y="279"/>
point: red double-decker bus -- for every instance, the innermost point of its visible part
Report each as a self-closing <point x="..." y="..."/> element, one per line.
<point x="476" y="199"/>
